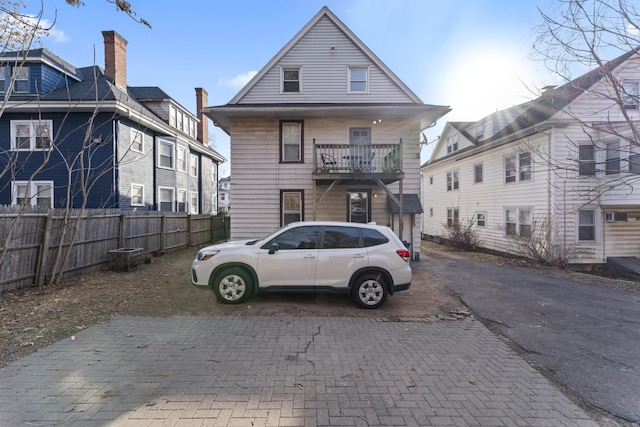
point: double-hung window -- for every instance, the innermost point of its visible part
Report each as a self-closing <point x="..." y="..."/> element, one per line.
<point x="358" y="79"/>
<point x="477" y="173"/>
<point x="166" y="197"/>
<point x="586" y="160"/>
<point x="518" y="222"/>
<point x="518" y="168"/>
<point x="630" y="94"/>
<point x="453" y="217"/>
<point x="193" y="165"/>
<point x="137" y="141"/>
<point x="193" y="202"/>
<point x="634" y="158"/>
<point x="21" y="79"/>
<point x="137" y="195"/>
<point x="291" y="80"/>
<point x="452" y="144"/>
<point x="165" y="154"/>
<point x="30" y="135"/>
<point x="453" y="180"/>
<point x="3" y="70"/>
<point x="291" y="206"/>
<point x="182" y="200"/>
<point x="481" y="219"/>
<point x="586" y="225"/>
<point x="181" y="159"/>
<point x="612" y="164"/>
<point x="34" y="193"/>
<point x="291" y="137"/>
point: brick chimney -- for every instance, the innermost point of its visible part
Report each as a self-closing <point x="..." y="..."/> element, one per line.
<point x="203" y="124"/>
<point x="115" y="58"/>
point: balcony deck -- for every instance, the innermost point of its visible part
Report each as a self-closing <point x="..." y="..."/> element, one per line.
<point x="359" y="164"/>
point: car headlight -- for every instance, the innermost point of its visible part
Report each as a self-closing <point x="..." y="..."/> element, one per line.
<point x="206" y="254"/>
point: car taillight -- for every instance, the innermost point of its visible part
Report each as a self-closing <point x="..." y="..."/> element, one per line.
<point x="403" y="253"/>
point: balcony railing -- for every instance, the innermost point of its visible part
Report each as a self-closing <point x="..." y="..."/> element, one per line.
<point x="350" y="158"/>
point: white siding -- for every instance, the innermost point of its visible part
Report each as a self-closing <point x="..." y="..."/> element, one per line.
<point x="324" y="72"/>
<point x="258" y="177"/>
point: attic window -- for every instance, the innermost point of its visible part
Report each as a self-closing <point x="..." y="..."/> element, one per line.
<point x="358" y="79"/>
<point x="21" y="84"/>
<point x="630" y="94"/>
<point x="291" y="80"/>
<point x="452" y="144"/>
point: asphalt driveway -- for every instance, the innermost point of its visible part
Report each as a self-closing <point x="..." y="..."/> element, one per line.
<point x="586" y="334"/>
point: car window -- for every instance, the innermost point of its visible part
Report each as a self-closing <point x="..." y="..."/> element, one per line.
<point x="296" y="238"/>
<point x="373" y="238"/>
<point x="341" y="237"/>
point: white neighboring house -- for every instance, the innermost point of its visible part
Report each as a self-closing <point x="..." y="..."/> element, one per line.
<point x="224" y="195"/>
<point x="560" y="171"/>
<point x="325" y="131"/>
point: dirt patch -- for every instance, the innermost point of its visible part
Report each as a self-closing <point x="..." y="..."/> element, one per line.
<point x="34" y="318"/>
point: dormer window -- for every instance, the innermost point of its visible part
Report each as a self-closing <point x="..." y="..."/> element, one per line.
<point x="2" y="77"/>
<point x="358" y="79"/>
<point x="630" y="94"/>
<point x="291" y="80"/>
<point x="21" y="83"/>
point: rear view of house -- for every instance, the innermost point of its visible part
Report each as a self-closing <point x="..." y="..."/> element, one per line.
<point x="325" y="131"/>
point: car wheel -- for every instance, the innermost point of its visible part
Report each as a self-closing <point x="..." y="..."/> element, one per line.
<point x="369" y="290"/>
<point x="233" y="286"/>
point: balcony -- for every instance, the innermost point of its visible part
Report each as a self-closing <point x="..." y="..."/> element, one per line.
<point x="357" y="164"/>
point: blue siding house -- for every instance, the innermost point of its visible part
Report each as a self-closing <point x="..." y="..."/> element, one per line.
<point x="80" y="137"/>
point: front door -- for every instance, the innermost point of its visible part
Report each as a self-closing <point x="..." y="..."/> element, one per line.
<point x="360" y="141"/>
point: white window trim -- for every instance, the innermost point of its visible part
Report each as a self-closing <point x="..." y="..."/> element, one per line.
<point x="517" y="210"/>
<point x="183" y="192"/>
<point x="455" y="180"/>
<point x="193" y="210"/>
<point x="173" y="198"/>
<point x="134" y="135"/>
<point x="453" y="144"/>
<point x="32" y="133"/>
<point x="518" y="168"/>
<point x="595" y="225"/>
<point x="475" y="181"/>
<point x="477" y="221"/>
<point x="182" y="150"/>
<point x="173" y="154"/>
<point x="33" y="189"/>
<point x="356" y="67"/>
<point x="14" y="70"/>
<point x="141" y="186"/>
<point x="291" y="68"/>
<point x="194" y="167"/>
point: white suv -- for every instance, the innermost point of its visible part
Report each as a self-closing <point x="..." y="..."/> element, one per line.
<point x="367" y="261"/>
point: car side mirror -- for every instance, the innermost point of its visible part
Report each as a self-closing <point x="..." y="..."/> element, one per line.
<point x="275" y="247"/>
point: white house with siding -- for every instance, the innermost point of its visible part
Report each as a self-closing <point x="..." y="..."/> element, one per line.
<point x="560" y="171"/>
<point x="325" y="131"/>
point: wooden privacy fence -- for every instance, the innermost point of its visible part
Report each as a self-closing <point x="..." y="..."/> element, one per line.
<point x="37" y="245"/>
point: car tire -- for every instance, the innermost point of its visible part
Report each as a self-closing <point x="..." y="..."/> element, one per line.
<point x="369" y="290"/>
<point x="233" y="286"/>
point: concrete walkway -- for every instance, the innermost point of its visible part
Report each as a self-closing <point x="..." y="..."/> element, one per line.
<point x="281" y="371"/>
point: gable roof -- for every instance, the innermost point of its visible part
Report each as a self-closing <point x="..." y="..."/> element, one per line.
<point x="325" y="12"/>
<point x="554" y="100"/>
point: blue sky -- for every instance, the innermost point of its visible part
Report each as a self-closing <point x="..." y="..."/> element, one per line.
<point x="469" y="54"/>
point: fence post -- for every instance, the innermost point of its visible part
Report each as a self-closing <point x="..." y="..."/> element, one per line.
<point x="189" y="229"/>
<point x="163" y="224"/>
<point x="121" y="231"/>
<point x="43" y="252"/>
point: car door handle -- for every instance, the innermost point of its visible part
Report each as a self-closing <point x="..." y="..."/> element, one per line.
<point x="309" y="256"/>
<point x="358" y="255"/>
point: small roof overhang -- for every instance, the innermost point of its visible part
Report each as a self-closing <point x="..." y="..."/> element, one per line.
<point x="410" y="204"/>
<point x="427" y="114"/>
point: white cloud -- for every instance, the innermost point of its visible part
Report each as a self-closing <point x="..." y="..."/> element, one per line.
<point x="54" y="34"/>
<point x="238" y="81"/>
